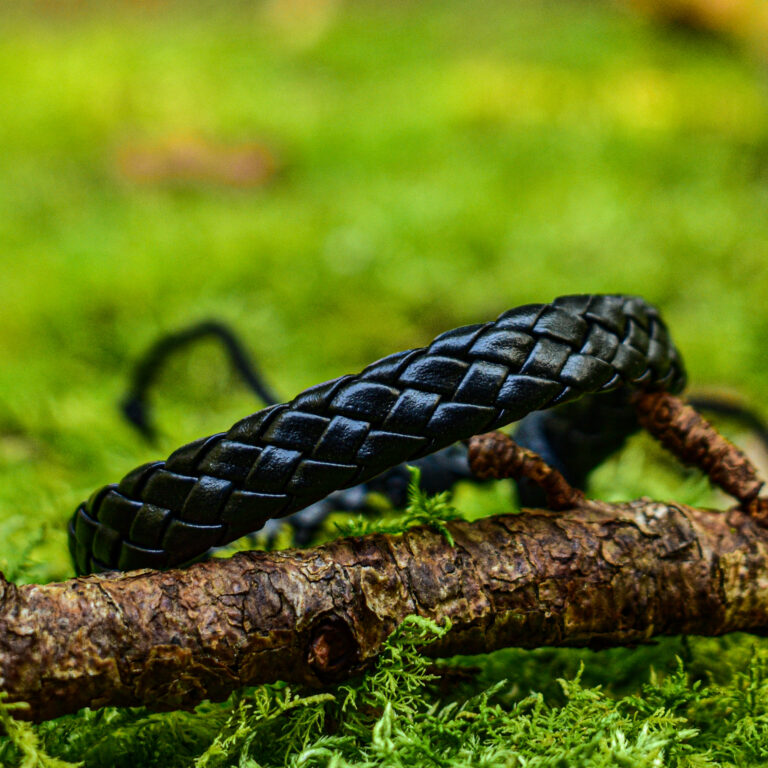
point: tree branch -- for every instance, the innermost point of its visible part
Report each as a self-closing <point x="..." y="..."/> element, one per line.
<point x="596" y="575"/>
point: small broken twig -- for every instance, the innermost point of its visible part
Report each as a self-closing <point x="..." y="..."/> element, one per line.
<point x="496" y="455"/>
<point x="693" y="440"/>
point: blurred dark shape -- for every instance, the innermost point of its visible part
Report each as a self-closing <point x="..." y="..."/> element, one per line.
<point x="575" y="438"/>
<point x="742" y="21"/>
<point x="195" y="161"/>
<point x="135" y="405"/>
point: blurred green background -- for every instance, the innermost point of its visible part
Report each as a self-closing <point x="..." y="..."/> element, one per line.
<point x="436" y="164"/>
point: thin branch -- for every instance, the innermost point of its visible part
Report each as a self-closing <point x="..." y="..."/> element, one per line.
<point x="496" y="455"/>
<point x="686" y="434"/>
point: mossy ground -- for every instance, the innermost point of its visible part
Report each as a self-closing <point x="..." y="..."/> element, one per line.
<point x="441" y="162"/>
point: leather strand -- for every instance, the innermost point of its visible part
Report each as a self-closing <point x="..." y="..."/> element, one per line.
<point x="346" y="431"/>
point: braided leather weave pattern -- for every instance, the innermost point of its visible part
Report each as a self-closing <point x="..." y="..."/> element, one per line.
<point x="345" y="431"/>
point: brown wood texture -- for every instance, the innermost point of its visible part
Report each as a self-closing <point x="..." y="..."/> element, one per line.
<point x="596" y="575"/>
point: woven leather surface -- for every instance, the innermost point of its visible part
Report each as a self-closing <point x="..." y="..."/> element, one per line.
<point x="348" y="430"/>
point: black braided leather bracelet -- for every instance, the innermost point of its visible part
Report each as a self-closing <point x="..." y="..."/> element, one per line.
<point x="348" y="430"/>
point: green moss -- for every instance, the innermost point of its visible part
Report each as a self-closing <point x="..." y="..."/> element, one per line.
<point x="422" y="509"/>
<point x="397" y="716"/>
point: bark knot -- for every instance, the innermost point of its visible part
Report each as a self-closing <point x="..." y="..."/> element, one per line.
<point x="332" y="650"/>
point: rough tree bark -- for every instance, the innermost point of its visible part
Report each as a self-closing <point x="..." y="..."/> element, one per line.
<point x="594" y="575"/>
